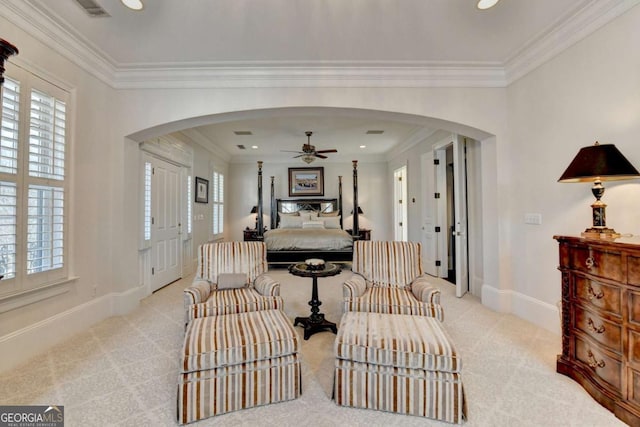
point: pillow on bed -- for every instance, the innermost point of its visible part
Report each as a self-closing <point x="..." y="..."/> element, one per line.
<point x="288" y="214"/>
<point x="313" y="224"/>
<point x="334" y="213"/>
<point x="290" y="221"/>
<point x="332" y="222"/>
<point x="232" y="280"/>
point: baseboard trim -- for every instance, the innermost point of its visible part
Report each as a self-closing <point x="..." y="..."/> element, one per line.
<point x="21" y="345"/>
<point x="531" y="309"/>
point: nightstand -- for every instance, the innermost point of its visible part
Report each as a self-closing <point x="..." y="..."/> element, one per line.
<point x="252" y="236"/>
<point x="364" y="233"/>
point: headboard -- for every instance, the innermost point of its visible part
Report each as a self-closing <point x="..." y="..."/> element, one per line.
<point x="290" y="206"/>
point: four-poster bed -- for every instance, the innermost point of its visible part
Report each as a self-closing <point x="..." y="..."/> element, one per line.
<point x="308" y="227"/>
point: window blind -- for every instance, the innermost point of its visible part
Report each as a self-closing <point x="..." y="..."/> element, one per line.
<point x="9" y="126"/>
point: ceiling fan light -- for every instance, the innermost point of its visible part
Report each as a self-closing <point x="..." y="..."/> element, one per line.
<point x="133" y="4"/>
<point x="486" y="4"/>
<point x="308" y="158"/>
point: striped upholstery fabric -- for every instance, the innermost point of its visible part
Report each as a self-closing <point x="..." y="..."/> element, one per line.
<point x="392" y="301"/>
<point x="234" y="339"/>
<point x="394" y="264"/>
<point x="386" y="275"/>
<point x="398" y="363"/>
<point x="231" y="257"/>
<point x="237" y="361"/>
<point x="431" y="394"/>
<point x="396" y="340"/>
<point x="203" y="298"/>
<point x="203" y="394"/>
<point x="230" y="301"/>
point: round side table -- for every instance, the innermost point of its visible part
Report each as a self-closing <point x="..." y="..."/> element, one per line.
<point x="316" y="321"/>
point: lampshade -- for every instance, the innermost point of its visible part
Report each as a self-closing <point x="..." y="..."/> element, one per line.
<point x="254" y="209"/>
<point x="599" y="161"/>
<point x="359" y="211"/>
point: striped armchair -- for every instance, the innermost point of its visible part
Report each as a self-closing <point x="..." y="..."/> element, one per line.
<point x="204" y="299"/>
<point x="389" y="279"/>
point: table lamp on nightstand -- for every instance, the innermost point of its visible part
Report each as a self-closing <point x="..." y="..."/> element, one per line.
<point x="597" y="163"/>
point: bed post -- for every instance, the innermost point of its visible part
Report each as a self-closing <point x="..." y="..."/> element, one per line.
<point x="273" y="205"/>
<point x="260" y="219"/>
<point x="355" y="232"/>
<point x="340" y="199"/>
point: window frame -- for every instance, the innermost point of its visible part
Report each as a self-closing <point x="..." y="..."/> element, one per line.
<point x="24" y="281"/>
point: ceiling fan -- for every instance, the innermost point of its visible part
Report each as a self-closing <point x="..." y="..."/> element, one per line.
<point x="309" y="152"/>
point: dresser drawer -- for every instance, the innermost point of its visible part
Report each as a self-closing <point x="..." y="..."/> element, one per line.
<point x="596" y="294"/>
<point x="597" y="262"/>
<point x="633" y="265"/>
<point x="634" y="386"/>
<point x="634" y="307"/>
<point x="634" y="347"/>
<point x="605" y="368"/>
<point x="604" y="331"/>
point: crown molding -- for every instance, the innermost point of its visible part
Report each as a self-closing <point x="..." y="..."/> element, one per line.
<point x="567" y="31"/>
<point x="46" y="30"/>
<point x="314" y="74"/>
<point x="50" y="29"/>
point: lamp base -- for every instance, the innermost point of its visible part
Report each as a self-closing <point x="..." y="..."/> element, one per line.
<point x="600" y="233"/>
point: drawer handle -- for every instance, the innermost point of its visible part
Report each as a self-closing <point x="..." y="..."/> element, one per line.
<point x="593" y="362"/>
<point x="592" y="294"/>
<point x="592" y="327"/>
<point x="590" y="262"/>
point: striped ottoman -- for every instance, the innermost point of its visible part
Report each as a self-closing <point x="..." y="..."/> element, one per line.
<point x="237" y="361"/>
<point x="398" y="363"/>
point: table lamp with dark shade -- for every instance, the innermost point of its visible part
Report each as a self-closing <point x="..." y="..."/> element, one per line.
<point x="597" y="163"/>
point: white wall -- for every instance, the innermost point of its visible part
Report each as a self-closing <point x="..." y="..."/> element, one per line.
<point x="590" y="92"/>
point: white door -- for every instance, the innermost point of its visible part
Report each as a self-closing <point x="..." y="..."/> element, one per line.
<point x="166" y="262"/>
<point x="400" y="203"/>
<point x="429" y="215"/>
<point x="460" y="231"/>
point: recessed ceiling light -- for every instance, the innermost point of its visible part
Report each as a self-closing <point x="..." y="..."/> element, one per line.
<point x="486" y="4"/>
<point x="255" y="147"/>
<point x="363" y="146"/>
<point x="133" y="4"/>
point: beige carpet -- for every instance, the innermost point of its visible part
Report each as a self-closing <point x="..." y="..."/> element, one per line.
<point x="123" y="371"/>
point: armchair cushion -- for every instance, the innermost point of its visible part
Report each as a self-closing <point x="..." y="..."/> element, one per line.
<point x="392" y="300"/>
<point x="232" y="301"/>
<point x="231" y="280"/>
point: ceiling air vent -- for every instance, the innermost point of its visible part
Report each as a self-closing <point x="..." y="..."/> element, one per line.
<point x="242" y="132"/>
<point x="241" y="147"/>
<point x="375" y="132"/>
<point x="92" y="8"/>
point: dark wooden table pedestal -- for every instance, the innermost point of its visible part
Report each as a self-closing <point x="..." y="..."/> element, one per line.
<point x="316" y="321"/>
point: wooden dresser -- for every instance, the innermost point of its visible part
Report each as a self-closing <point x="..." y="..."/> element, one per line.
<point x="601" y="320"/>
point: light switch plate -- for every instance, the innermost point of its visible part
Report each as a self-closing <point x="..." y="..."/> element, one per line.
<point x="533" y="218"/>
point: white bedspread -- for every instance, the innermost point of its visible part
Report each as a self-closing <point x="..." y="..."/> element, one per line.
<point x="298" y="238"/>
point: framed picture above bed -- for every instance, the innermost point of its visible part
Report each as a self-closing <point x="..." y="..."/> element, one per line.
<point x="306" y="181"/>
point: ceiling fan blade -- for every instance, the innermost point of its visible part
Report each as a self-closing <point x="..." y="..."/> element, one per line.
<point x="299" y="155"/>
<point x="333" y="150"/>
<point x="320" y="156"/>
<point x="292" y="151"/>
